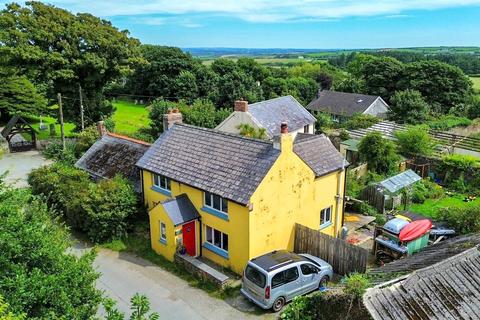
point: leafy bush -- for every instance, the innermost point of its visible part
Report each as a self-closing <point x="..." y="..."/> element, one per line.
<point x="344" y="135"/>
<point x="38" y="275"/>
<point x="447" y="122"/>
<point x="378" y="152"/>
<point x="86" y="139"/>
<point x="324" y="122"/>
<point x="356" y="284"/>
<point x="109" y="124"/>
<point x="361" y="121"/>
<point x="461" y="172"/>
<point x="100" y="210"/>
<point x="463" y="220"/>
<point x="426" y="189"/>
<point x="54" y="150"/>
<point x="415" y="141"/>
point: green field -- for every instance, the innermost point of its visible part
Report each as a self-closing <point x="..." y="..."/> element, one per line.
<point x="431" y="207"/>
<point x="129" y="117"/>
<point x="476" y="83"/>
<point x="45" y="134"/>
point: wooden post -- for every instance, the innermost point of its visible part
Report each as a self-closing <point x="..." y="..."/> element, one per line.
<point x="62" y="131"/>
<point x="81" y="106"/>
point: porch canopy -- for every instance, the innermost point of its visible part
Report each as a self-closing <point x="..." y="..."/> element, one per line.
<point x="180" y="210"/>
<point x="400" y="181"/>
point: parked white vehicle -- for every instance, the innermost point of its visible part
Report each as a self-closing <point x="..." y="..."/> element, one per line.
<point x="277" y="277"/>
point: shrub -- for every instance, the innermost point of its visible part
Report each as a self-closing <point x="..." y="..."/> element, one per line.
<point x="461" y="172"/>
<point x="109" y="124"/>
<point x="86" y="139"/>
<point x="378" y="152"/>
<point x="447" y="122"/>
<point x="54" y="150"/>
<point x="414" y="141"/>
<point x="356" y="284"/>
<point x="100" y="210"/>
<point x="344" y="135"/>
<point x="324" y="122"/>
<point x="361" y="121"/>
<point x="463" y="220"/>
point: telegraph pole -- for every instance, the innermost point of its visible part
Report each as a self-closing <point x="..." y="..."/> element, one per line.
<point x="62" y="132"/>
<point x="81" y="106"/>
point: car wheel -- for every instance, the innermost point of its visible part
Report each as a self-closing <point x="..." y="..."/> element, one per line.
<point x="278" y="304"/>
<point x="323" y="282"/>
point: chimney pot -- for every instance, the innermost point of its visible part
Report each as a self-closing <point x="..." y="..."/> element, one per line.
<point x="241" y="106"/>
<point x="101" y="128"/>
<point x="175" y="110"/>
<point x="284" y="127"/>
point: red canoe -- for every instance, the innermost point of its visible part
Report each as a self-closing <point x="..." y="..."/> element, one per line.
<point x="415" y="229"/>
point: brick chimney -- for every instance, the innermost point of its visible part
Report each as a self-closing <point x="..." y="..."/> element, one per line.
<point x="171" y="117"/>
<point x="241" y="106"/>
<point x="101" y="128"/>
<point x="283" y="142"/>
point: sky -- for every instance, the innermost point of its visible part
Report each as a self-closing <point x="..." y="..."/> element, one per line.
<point x="316" y="24"/>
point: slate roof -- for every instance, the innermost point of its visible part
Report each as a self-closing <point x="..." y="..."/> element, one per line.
<point x="271" y="113"/>
<point x="11" y="125"/>
<point x="341" y="103"/>
<point x="225" y="164"/>
<point x="449" y="289"/>
<point x="318" y="152"/>
<point x="114" y="154"/>
<point x="180" y="210"/>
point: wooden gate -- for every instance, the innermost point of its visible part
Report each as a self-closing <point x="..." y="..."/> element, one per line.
<point x="344" y="257"/>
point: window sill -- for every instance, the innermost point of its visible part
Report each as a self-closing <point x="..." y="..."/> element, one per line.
<point x="163" y="241"/>
<point x="214" y="249"/>
<point x="325" y="225"/>
<point x="216" y="213"/>
<point x="162" y="191"/>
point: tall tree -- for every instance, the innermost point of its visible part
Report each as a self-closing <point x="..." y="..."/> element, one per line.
<point x="61" y="51"/>
<point x="378" y="152"/>
<point x="408" y="107"/>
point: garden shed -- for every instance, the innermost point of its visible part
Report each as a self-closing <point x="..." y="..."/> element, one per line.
<point x="387" y="194"/>
<point x="13" y="134"/>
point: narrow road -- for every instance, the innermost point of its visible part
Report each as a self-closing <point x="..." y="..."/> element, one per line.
<point x="124" y="274"/>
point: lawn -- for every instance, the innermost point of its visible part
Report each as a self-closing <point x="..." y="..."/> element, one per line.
<point x="45" y="134"/>
<point x="431" y="207"/>
<point x="476" y="83"/>
<point x="129" y="117"/>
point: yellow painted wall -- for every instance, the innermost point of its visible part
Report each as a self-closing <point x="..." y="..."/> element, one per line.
<point x="291" y="194"/>
<point x="236" y="227"/>
<point x="167" y="250"/>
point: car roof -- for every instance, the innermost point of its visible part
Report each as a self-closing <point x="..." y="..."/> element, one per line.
<point x="277" y="259"/>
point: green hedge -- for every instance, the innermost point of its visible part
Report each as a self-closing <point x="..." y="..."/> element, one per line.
<point x="98" y="209"/>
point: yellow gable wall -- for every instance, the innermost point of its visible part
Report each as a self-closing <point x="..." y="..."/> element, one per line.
<point x="290" y="194"/>
<point x="236" y="228"/>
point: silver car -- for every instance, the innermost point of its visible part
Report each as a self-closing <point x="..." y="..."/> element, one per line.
<point x="277" y="277"/>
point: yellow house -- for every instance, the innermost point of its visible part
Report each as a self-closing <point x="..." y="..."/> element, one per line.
<point x="229" y="198"/>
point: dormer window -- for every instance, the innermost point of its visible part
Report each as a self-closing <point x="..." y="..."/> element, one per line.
<point x="161" y="182"/>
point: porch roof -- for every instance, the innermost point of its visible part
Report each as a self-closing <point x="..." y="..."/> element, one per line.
<point x="180" y="210"/>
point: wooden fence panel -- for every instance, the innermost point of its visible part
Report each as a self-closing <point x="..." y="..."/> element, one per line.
<point x="344" y="257"/>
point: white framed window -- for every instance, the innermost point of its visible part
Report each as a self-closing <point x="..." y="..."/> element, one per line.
<point x="161" y="182"/>
<point x="216" y="238"/>
<point x="163" y="232"/>
<point x="326" y="217"/>
<point x="216" y="202"/>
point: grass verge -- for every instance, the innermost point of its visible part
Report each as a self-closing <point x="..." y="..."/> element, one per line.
<point x="431" y="207"/>
<point x="129" y="117"/>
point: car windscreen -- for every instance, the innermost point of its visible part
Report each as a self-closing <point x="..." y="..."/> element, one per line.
<point x="255" y="276"/>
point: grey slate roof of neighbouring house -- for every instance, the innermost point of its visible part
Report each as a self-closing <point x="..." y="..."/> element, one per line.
<point x="114" y="154"/>
<point x="225" y="164"/>
<point x="318" y="152"/>
<point x="449" y="289"/>
<point x="341" y="103"/>
<point x="271" y="113"/>
<point x="180" y="210"/>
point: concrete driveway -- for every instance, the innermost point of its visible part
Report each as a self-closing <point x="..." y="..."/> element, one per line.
<point x="19" y="165"/>
<point x="124" y="274"/>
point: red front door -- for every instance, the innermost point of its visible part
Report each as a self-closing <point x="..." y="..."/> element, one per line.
<point x="188" y="231"/>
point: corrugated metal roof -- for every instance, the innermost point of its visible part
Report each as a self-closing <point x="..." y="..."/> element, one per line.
<point x="271" y="113"/>
<point x="400" y="181"/>
<point x="449" y="289"/>
<point x="180" y="210"/>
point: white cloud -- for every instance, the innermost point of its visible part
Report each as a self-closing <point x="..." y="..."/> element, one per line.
<point x="259" y="11"/>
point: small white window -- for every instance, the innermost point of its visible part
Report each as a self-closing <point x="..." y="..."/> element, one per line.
<point x="161" y="182"/>
<point x="163" y="232"/>
<point x="216" y="238"/>
<point x="306" y="129"/>
<point x="216" y="202"/>
<point x="325" y="217"/>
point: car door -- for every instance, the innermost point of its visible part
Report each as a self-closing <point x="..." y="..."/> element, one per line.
<point x="293" y="284"/>
<point x="310" y="277"/>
